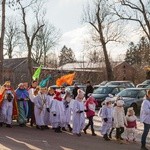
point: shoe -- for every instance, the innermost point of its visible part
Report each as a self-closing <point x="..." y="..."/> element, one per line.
<point x="46" y="127"/>
<point x="78" y="134"/>
<point x="8" y="125"/>
<point x="144" y="148"/>
<point x="63" y="128"/>
<point x="84" y="131"/>
<point x="93" y="134"/>
<point x="121" y="138"/>
<point x="1" y="124"/>
<point x="106" y="137"/>
<point x="70" y="129"/>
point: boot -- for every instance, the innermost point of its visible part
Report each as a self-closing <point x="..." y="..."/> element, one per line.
<point x="84" y="131"/>
<point x="8" y="125"/>
<point x="1" y="124"/>
<point x="64" y="129"/>
<point x="70" y="129"/>
<point x="106" y="137"/>
<point x="93" y="133"/>
<point x="110" y="134"/>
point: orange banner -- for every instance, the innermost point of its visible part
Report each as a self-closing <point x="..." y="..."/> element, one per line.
<point x="68" y="79"/>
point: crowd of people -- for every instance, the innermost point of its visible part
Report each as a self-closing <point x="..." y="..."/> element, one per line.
<point x="47" y="107"/>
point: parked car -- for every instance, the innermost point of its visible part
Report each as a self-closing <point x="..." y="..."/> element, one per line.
<point x="144" y="84"/>
<point x="127" y="84"/>
<point x="70" y="88"/>
<point x="103" y="91"/>
<point x="133" y="97"/>
<point x="101" y="84"/>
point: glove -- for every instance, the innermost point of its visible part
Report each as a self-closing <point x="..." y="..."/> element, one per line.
<point x="81" y="111"/>
<point x="105" y="119"/>
<point x="86" y="110"/>
<point x="67" y="106"/>
<point x="47" y="109"/>
<point x="54" y="115"/>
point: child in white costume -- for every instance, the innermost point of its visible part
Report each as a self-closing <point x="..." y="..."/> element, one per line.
<point x="107" y="118"/>
<point x="78" y="113"/>
<point x="40" y="108"/>
<point x="67" y="106"/>
<point x="119" y="119"/>
<point x="131" y="124"/>
<point x="7" y="108"/>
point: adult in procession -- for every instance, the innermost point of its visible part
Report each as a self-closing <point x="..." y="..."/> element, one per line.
<point x="145" y="118"/>
<point x="89" y="89"/>
<point x="22" y="101"/>
<point x="31" y="91"/>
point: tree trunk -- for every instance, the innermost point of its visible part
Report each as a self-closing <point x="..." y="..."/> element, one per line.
<point x="30" y="62"/>
<point x="2" y="40"/>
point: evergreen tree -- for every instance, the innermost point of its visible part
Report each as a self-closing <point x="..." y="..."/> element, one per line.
<point x="66" y="56"/>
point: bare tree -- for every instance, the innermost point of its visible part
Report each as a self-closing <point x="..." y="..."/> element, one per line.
<point x="137" y="11"/>
<point x="29" y="37"/>
<point x="12" y="36"/>
<point x="47" y="38"/>
<point x="3" y="4"/>
<point x="98" y="14"/>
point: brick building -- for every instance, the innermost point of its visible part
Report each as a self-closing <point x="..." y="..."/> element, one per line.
<point x="124" y="71"/>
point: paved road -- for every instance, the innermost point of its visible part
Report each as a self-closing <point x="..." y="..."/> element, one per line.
<point x="26" y="138"/>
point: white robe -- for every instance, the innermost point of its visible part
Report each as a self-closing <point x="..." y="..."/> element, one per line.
<point x="78" y="118"/>
<point x="67" y="113"/>
<point x="106" y="112"/>
<point x="58" y="109"/>
<point x="39" y="108"/>
<point x="7" y="110"/>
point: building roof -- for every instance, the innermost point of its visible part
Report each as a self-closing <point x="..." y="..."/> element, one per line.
<point x="80" y="66"/>
<point x="13" y="62"/>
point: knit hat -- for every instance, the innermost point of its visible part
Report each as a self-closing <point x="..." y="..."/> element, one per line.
<point x="120" y="103"/>
<point x="108" y="99"/>
<point x="80" y="94"/>
<point x="129" y="110"/>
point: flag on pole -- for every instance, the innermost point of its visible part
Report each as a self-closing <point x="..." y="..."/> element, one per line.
<point x="43" y="83"/>
<point x="37" y="73"/>
<point x="65" y="79"/>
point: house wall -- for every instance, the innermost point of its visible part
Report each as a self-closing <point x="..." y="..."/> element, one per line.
<point x="124" y="72"/>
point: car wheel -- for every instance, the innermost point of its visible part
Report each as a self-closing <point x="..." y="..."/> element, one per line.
<point x="135" y="108"/>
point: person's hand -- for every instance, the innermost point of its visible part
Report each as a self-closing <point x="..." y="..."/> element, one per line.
<point x="105" y="119"/>
<point x="86" y="110"/>
<point x="47" y="109"/>
<point x="67" y="106"/>
<point x="81" y="111"/>
<point x="54" y="115"/>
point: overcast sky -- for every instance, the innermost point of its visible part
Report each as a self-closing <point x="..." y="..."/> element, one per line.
<point x="66" y="15"/>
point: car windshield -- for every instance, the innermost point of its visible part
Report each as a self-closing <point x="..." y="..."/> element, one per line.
<point x="129" y="93"/>
<point x="146" y="82"/>
<point x="103" y="90"/>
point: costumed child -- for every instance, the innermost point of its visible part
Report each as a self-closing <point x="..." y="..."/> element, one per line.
<point x="49" y="107"/>
<point x="58" y="115"/>
<point x="78" y="113"/>
<point x="7" y="108"/>
<point x="119" y="119"/>
<point x="131" y="124"/>
<point x="67" y="106"/>
<point x="22" y="96"/>
<point x="40" y="107"/>
<point x="4" y="92"/>
<point x="90" y="113"/>
<point x="107" y="118"/>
